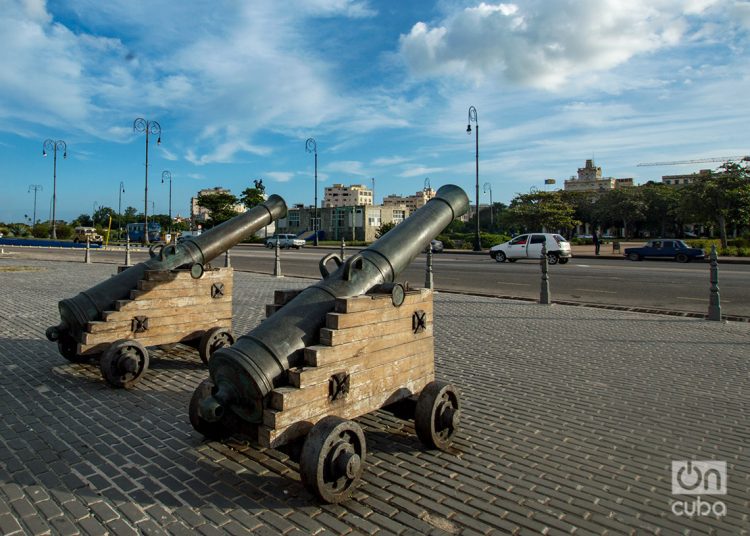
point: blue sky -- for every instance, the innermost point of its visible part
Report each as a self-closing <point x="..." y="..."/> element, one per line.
<point x="383" y="87"/>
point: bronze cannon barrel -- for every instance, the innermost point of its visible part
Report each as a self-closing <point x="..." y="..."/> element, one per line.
<point x="246" y="372"/>
<point x="194" y="252"/>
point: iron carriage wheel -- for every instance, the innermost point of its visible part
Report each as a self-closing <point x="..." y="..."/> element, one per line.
<point x="212" y="340"/>
<point x="124" y="363"/>
<point x="437" y="415"/>
<point x="332" y="458"/>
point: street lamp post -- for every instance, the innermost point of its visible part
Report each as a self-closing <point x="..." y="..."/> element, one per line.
<point x="312" y="147"/>
<point x="168" y="176"/>
<point x="36" y="188"/>
<point x="149" y="127"/>
<point x="120" y="191"/>
<point x="488" y="186"/>
<point x="473" y="118"/>
<point x="54" y="145"/>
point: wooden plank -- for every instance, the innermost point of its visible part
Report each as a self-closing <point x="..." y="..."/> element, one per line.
<point x="373" y="316"/>
<point x="168" y="290"/>
<point x="184" y="301"/>
<point x="363" y="382"/>
<point x="312" y="375"/>
<point x="216" y="308"/>
<point x="321" y="355"/>
<point x="335" y="337"/>
<point x="367" y="302"/>
<point x="270" y="437"/>
<point x="164" y="317"/>
<point x="166" y="338"/>
<point x="127" y="333"/>
<point x="145" y="284"/>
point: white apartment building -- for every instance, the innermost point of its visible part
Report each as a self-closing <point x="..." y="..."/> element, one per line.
<point x="353" y="195"/>
<point x="411" y="202"/>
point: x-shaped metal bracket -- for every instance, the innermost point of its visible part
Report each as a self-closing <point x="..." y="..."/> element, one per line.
<point x="419" y="321"/>
<point x="217" y="290"/>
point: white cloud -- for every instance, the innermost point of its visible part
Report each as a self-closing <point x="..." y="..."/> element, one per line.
<point x="347" y="167"/>
<point x="280" y="176"/>
<point x="420" y="171"/>
<point x="546" y="43"/>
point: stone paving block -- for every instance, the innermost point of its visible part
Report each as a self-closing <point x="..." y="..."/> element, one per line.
<point x="559" y="429"/>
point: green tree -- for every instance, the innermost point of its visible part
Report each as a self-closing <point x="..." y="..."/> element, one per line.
<point x="220" y="206"/>
<point x="101" y="216"/>
<point x="130" y="215"/>
<point x="84" y="220"/>
<point x="660" y="212"/>
<point x="252" y="197"/>
<point x="621" y="206"/>
<point x="541" y="210"/>
<point x="584" y="205"/>
<point x="384" y="228"/>
<point x="720" y="197"/>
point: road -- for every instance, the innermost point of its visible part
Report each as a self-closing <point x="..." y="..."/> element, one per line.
<point x="663" y="285"/>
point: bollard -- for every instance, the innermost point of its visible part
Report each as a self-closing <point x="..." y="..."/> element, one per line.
<point x="87" y="257"/>
<point x="227" y="261"/>
<point x="428" y="270"/>
<point x="127" y="251"/>
<point x="714" y="305"/>
<point x="277" y="263"/>
<point x="544" y="296"/>
<point x="343" y="248"/>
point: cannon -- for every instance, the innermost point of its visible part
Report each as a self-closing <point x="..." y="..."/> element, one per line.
<point x="151" y="301"/>
<point x="253" y="380"/>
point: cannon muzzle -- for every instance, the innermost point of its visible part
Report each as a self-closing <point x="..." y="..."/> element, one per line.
<point x="245" y="373"/>
<point x="194" y="252"/>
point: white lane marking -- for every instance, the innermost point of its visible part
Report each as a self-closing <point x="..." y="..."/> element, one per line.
<point x="602" y="291"/>
<point x="509" y="283"/>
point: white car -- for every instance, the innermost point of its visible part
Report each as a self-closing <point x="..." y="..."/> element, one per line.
<point x="285" y="241"/>
<point x="529" y="246"/>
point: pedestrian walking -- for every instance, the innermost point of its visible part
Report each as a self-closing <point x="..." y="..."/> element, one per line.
<point x="595" y="238"/>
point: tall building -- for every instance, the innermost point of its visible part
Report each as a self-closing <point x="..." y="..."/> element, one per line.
<point x="353" y="195"/>
<point x="411" y="202"/>
<point x="590" y="180"/>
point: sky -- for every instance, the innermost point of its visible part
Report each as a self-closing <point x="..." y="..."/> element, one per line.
<point x="383" y="87"/>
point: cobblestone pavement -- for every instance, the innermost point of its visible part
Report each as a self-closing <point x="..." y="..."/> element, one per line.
<point x="572" y="419"/>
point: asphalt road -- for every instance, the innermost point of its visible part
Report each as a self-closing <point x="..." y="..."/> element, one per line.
<point x="663" y="285"/>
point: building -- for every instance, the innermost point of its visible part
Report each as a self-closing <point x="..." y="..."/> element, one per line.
<point x="682" y="180"/>
<point x="199" y="214"/>
<point x="590" y="180"/>
<point x="350" y="222"/>
<point x="353" y="195"/>
<point x="411" y="202"/>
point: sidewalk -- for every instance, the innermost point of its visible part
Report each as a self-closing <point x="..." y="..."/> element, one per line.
<point x="572" y="418"/>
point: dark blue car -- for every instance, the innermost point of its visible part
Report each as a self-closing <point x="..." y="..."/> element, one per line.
<point x="665" y="248"/>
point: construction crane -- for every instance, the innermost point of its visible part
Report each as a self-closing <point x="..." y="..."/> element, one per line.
<point x="699" y="160"/>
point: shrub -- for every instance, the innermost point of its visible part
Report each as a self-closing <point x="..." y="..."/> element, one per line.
<point x="743" y="252"/>
<point x="447" y="242"/>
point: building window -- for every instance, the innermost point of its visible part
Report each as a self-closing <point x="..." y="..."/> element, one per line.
<point x="398" y="216"/>
<point x="293" y="218"/>
<point x="373" y="218"/>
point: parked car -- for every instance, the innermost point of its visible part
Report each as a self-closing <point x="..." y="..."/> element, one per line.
<point x="529" y="246"/>
<point x="285" y="241"/>
<point x="665" y="248"/>
<point x="81" y="233"/>
<point x="436" y="246"/>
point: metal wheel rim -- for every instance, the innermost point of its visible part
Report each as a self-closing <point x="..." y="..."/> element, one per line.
<point x="124" y="363"/>
<point x="437" y="415"/>
<point x="323" y="465"/>
<point x="213" y="340"/>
